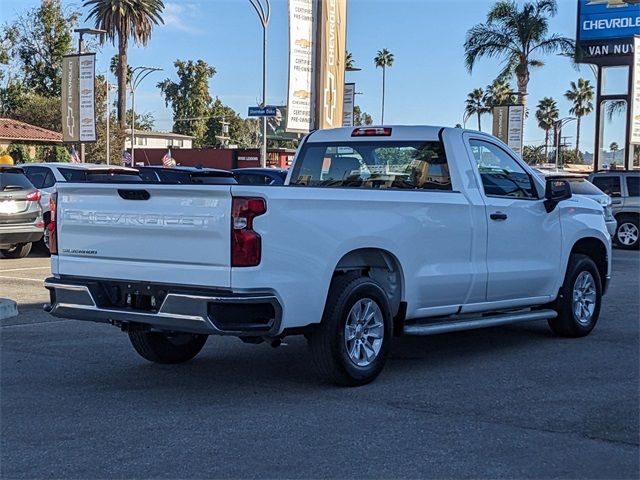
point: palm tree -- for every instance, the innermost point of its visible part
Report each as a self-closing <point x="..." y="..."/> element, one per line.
<point x="499" y="94"/>
<point x="517" y="36"/>
<point x="581" y="95"/>
<point x="476" y="105"/>
<point x="383" y="59"/>
<point x="124" y="19"/>
<point x="614" y="148"/>
<point x="547" y="115"/>
<point x="349" y="62"/>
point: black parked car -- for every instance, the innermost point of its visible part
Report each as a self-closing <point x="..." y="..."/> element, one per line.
<point x="208" y="176"/>
<point x="260" y="176"/>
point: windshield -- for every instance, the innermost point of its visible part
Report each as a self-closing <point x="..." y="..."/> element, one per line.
<point x="405" y="165"/>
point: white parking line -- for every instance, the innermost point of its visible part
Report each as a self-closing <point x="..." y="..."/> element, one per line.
<point x="39" y="280"/>
<point x="27" y="268"/>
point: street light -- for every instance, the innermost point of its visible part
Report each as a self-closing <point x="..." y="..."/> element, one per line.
<point x="557" y="128"/>
<point x="81" y="32"/>
<point x="138" y="74"/>
<point x="264" y="14"/>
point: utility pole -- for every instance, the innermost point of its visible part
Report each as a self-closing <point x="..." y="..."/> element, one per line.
<point x="264" y="14"/>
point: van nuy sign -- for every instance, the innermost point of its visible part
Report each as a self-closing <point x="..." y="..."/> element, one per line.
<point x="606" y="28"/>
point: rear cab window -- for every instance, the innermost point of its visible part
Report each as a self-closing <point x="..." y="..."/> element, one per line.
<point x="407" y="165"/>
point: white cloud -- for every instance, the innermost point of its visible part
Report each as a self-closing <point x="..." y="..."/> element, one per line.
<point x="181" y="16"/>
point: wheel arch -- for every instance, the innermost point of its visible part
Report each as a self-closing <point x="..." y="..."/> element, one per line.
<point x="595" y="249"/>
<point x="380" y="265"/>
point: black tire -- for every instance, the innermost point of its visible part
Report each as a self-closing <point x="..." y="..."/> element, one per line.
<point x="627" y="224"/>
<point x="567" y="324"/>
<point x="21" y="250"/>
<point x="164" y="348"/>
<point x="327" y="342"/>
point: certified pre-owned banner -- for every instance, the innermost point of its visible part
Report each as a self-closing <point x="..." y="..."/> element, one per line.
<point x="332" y="43"/>
<point x="301" y="101"/>
<point x="87" y="86"/>
<point x="78" y="98"/>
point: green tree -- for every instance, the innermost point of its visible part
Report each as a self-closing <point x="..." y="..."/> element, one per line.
<point x="360" y="117"/>
<point x="581" y="95"/>
<point x="40" y="111"/>
<point x="383" y="59"/>
<point x="241" y="132"/>
<point x="190" y="98"/>
<point x="124" y="19"/>
<point x="144" y="120"/>
<point x="517" y="35"/>
<point x="498" y="94"/>
<point x="533" y="154"/>
<point x="35" y="44"/>
<point x="475" y="105"/>
<point x="547" y="115"/>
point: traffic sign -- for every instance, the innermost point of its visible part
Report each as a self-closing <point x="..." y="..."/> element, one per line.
<point x="262" y="111"/>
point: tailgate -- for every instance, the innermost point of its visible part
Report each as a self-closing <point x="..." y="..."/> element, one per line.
<point x="173" y="234"/>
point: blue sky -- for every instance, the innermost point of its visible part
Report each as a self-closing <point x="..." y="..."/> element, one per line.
<point x="427" y="84"/>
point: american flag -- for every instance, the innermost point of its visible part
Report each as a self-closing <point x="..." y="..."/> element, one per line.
<point x="167" y="161"/>
<point x="75" y="158"/>
<point x="126" y="158"/>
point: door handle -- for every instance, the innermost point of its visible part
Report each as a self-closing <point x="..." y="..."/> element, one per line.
<point x="498" y="216"/>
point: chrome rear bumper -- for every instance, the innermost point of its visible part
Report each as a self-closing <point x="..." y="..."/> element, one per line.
<point x="229" y="314"/>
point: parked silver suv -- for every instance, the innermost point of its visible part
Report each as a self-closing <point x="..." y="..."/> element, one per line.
<point x="623" y="186"/>
<point x="21" y="221"/>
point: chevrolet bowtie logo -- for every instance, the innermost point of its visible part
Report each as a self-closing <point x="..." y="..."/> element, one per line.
<point x="330" y="99"/>
<point x="613" y="3"/>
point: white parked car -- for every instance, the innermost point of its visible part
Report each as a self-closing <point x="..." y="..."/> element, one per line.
<point x="45" y="176"/>
<point x="377" y="232"/>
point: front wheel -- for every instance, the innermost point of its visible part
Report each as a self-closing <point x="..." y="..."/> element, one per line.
<point x="351" y="344"/>
<point x="627" y="233"/>
<point x="578" y="305"/>
<point x="160" y="347"/>
<point x="20" y="250"/>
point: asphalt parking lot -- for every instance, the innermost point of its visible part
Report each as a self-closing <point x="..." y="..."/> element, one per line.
<point x="512" y="402"/>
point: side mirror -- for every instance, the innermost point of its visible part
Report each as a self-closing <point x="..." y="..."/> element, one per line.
<point x="556" y="191"/>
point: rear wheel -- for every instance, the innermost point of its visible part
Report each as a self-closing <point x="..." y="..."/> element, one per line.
<point x="628" y="233"/>
<point x="167" y="348"/>
<point x="351" y="344"/>
<point x="578" y="305"/>
<point x="20" y="250"/>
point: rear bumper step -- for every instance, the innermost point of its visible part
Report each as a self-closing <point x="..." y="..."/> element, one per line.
<point x="180" y="310"/>
<point x="480" y="322"/>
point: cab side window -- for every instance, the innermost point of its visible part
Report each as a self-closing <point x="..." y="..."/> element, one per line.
<point x="609" y="184"/>
<point x="633" y="186"/>
<point x="41" y="177"/>
<point x="501" y="175"/>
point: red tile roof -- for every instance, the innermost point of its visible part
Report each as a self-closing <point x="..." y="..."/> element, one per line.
<point x="15" y="130"/>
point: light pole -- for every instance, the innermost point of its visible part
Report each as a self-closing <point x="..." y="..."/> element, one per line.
<point x="557" y="128"/>
<point x="264" y="14"/>
<point x="138" y="74"/>
<point x="81" y="32"/>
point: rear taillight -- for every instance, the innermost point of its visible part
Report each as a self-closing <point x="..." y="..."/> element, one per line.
<point x="34" y="196"/>
<point x="371" y="132"/>
<point x="53" y="231"/>
<point x="246" y="245"/>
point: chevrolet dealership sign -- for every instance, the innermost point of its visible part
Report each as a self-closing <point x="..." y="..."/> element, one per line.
<point x="606" y="28"/>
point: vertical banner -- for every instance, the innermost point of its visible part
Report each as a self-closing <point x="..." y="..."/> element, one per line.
<point x="635" y="94"/>
<point x="501" y="123"/>
<point x="349" y="100"/>
<point x="87" y="87"/>
<point x="302" y="74"/>
<point x="332" y="32"/>
<point x="516" y="127"/>
<point x="70" y="99"/>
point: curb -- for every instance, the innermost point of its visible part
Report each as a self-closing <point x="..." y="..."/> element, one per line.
<point x="8" y="308"/>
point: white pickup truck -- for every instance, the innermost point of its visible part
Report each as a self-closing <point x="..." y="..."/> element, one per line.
<point x="378" y="232"/>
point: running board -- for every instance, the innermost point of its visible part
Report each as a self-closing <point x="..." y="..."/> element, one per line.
<point x="473" y="323"/>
